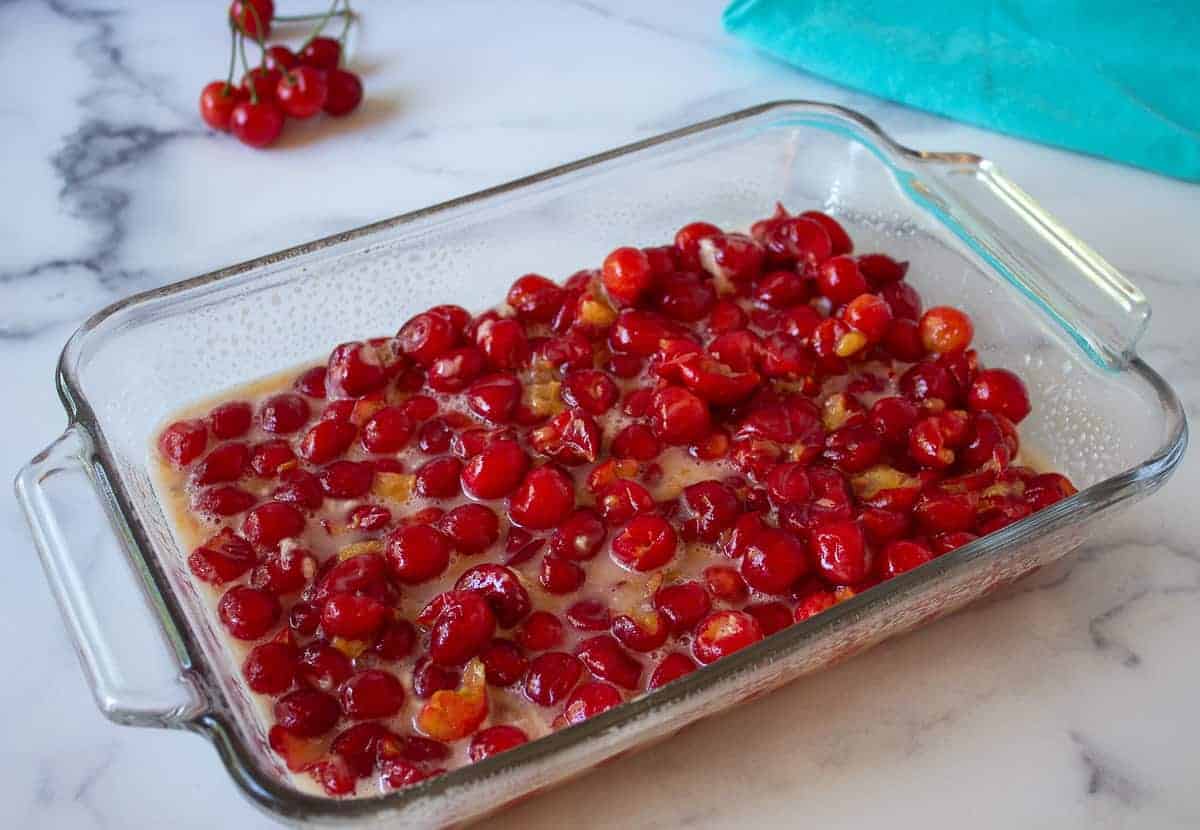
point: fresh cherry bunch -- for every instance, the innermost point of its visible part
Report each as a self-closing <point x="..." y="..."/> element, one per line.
<point x="285" y="84"/>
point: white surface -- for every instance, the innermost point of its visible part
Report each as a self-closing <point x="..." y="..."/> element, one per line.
<point x="1069" y="701"/>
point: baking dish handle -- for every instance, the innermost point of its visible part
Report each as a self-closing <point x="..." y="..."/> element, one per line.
<point x="134" y="676"/>
<point x="1092" y="302"/>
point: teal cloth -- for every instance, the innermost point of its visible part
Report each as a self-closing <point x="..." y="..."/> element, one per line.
<point x="1115" y="79"/>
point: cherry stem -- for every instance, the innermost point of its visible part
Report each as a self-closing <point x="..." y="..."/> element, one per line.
<point x="241" y="42"/>
<point x="349" y="18"/>
<point x="232" y="59"/>
<point x="258" y="35"/>
<point x="300" y="18"/>
<point x="320" y="26"/>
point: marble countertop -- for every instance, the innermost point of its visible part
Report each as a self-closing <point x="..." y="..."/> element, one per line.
<point x="1067" y="701"/>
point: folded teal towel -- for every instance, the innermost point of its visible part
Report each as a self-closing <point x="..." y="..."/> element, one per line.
<point x="1116" y="79"/>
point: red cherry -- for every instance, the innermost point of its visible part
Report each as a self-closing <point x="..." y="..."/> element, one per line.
<point x="683" y="604"/>
<point x="300" y="488"/>
<point x="715" y="382"/>
<point x="326" y="440"/>
<point x="723" y="633"/>
<point x="417" y="553"/>
<point x="541" y="631"/>
<point x="253" y="17"/>
<point x="269" y="524"/>
<point x="371" y="693"/>
<point x="726" y="584"/>
<point x="217" y="101"/>
<point x="358" y="747"/>
<point x="903" y="299"/>
<point x="535" y="298"/>
<point x="284" y="571"/>
<point x="714" y="509"/>
<point x="455" y="369"/>
<point x="323" y="666"/>
<point x="771" y="616"/>
<point x="726" y="316"/>
<point x="591" y="390"/>
<point x="283" y="413"/>
<point x="685" y="297"/>
<point x="222" y="500"/>
<point x="672" y="667"/>
<point x="256" y="124"/>
<point x="1047" y="489"/>
<point x="902" y="556"/>
<point x="782" y="289"/>
<point x="605" y="659"/>
<point x="840" y="553"/>
<point x="590" y="700"/>
<point x="840" y="280"/>
<point x="345" y="92"/>
<point x="881" y="269"/>
<point x="869" y="315"/>
<point x="627" y="275"/>
<point x="646" y="543"/>
<point x="495" y="739"/>
<point x="687" y="243"/>
<point x="396" y="641"/>
<point x="679" y="416"/>
<point x="222" y="558"/>
<point x="501" y="588"/>
<point x="774" y="561"/>
<point x="543" y="499"/>
<point x="945" y="513"/>
<point x="580" y="537"/>
<point x="1001" y="392"/>
<point x="551" y="677"/>
<point x="504" y="662"/>
<point x="346" y="479"/>
<point x="301" y="92"/>
<point x="351" y="616"/>
<point x="438" y="478"/>
<point x="270" y="668"/>
<point x="495" y="397"/>
<point x="589" y="615"/>
<point x="228" y="462"/>
<point x="853" y="449"/>
<point x="248" y="613"/>
<point x="733" y="256"/>
<point x="945" y="329"/>
<point x="560" y="576"/>
<point x="838" y="238"/>
<point x="279" y="58"/>
<point x="428" y="678"/>
<point x="397" y="773"/>
<point x="259" y="84"/>
<point x="307" y="713"/>
<point x="230" y="420"/>
<point x="472" y="528"/>
<point x="503" y="342"/>
<point x="354" y="370"/>
<point x="636" y="441"/>
<point x="426" y="337"/>
<point x="321" y="53"/>
<point x="928" y="380"/>
<point x="495" y="472"/>
<point x="463" y="625"/>
<point x="788" y="484"/>
<point x="183" y="441"/>
<point x="388" y="430"/>
<point x="570" y="438"/>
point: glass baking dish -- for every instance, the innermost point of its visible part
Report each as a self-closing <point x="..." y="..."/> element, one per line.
<point x="1043" y="302"/>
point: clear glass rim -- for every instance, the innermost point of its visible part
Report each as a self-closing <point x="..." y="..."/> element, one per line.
<point x="273" y="795"/>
